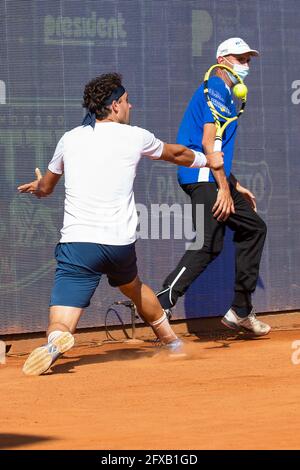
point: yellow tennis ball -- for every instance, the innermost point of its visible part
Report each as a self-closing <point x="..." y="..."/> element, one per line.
<point x="240" y="90"/>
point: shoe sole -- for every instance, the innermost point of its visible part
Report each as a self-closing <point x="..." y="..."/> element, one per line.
<point x="41" y="359"/>
<point x="254" y="333"/>
<point x="234" y="326"/>
<point x="229" y="324"/>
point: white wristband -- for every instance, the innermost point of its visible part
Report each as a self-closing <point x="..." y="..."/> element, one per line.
<point x="200" y="160"/>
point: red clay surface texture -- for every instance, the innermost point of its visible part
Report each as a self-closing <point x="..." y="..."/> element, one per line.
<point x="231" y="393"/>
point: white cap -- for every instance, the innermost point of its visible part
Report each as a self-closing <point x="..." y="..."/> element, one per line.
<point x="234" y="46"/>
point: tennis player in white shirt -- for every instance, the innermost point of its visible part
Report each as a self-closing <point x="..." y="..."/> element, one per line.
<point x="99" y="161"/>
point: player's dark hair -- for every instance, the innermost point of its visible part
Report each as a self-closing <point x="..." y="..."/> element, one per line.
<point x="98" y="90"/>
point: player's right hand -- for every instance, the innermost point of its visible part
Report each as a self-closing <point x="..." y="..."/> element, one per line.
<point x="224" y="205"/>
<point x="215" y="160"/>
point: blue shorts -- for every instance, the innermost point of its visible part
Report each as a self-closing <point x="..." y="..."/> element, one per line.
<point x="81" y="265"/>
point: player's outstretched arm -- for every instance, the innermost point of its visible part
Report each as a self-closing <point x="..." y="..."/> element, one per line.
<point x="181" y="155"/>
<point x="42" y="186"/>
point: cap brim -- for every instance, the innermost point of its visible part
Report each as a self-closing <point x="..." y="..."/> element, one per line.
<point x="254" y="52"/>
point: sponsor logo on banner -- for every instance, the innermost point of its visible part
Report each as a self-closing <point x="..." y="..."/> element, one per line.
<point x="257" y="178"/>
<point x="202" y="29"/>
<point x="168" y="213"/>
<point x="29" y="227"/>
<point x="162" y="185"/>
<point x="91" y="30"/>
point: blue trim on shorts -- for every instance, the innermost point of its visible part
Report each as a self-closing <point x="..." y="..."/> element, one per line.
<point x="80" y="266"/>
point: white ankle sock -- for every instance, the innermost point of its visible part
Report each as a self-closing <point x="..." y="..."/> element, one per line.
<point x="53" y="335"/>
<point x="163" y="330"/>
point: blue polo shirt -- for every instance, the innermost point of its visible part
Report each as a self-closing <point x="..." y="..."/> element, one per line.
<point x="198" y="114"/>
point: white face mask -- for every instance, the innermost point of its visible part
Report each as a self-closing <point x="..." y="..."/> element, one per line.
<point x="241" y="70"/>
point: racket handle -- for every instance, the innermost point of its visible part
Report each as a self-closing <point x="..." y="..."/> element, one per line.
<point x="218" y="145"/>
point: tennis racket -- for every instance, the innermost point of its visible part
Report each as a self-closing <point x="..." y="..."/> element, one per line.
<point x="221" y="126"/>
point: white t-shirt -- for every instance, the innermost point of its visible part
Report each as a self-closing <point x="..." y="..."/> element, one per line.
<point x="100" y="166"/>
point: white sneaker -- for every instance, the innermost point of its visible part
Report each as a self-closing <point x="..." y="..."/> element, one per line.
<point x="175" y="349"/>
<point x="250" y="323"/>
<point x="43" y="357"/>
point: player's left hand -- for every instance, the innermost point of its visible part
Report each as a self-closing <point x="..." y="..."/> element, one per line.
<point x="248" y="195"/>
<point x="32" y="187"/>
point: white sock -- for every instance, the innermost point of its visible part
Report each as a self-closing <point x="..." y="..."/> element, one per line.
<point x="53" y="335"/>
<point x="163" y="330"/>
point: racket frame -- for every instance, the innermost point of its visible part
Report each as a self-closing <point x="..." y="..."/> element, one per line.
<point x="220" y="128"/>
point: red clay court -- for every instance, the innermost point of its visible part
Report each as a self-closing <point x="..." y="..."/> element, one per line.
<point x="233" y="392"/>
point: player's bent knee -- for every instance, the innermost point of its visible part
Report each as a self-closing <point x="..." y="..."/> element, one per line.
<point x="131" y="287"/>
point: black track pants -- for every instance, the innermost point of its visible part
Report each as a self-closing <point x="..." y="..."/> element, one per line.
<point x="249" y="237"/>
